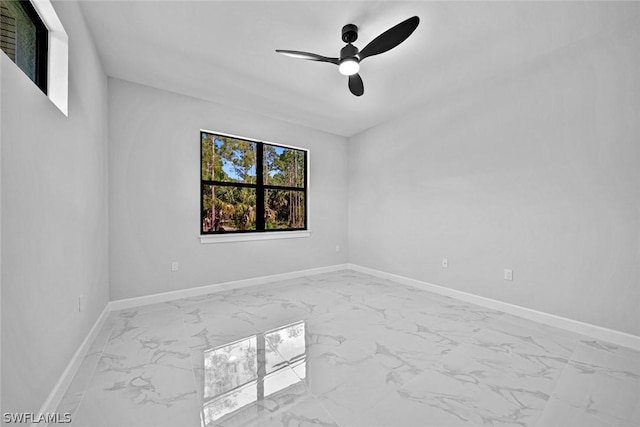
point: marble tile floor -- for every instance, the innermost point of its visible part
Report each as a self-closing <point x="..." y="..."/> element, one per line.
<point x="346" y="349"/>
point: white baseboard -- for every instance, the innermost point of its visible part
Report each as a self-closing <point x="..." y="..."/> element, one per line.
<point x="57" y="393"/>
<point x="208" y="289"/>
<point x="598" y="332"/>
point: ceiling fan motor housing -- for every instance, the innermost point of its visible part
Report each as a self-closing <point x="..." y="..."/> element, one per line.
<point x="349" y="33"/>
<point x="349" y="51"/>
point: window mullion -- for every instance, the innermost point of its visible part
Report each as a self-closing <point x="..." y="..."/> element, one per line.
<point x="228" y="183"/>
<point x="260" y="190"/>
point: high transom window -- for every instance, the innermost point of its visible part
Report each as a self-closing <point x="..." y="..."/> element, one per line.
<point x="24" y="38"/>
<point x="251" y="186"/>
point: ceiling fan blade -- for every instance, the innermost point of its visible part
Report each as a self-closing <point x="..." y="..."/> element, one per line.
<point x="309" y="56"/>
<point x="390" y="38"/>
<point x="355" y="85"/>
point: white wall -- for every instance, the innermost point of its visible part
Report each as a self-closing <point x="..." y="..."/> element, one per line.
<point x="54" y="219"/>
<point x="537" y="171"/>
<point x="154" y="191"/>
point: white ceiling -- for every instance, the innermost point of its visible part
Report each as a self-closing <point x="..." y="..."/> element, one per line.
<point x="224" y="51"/>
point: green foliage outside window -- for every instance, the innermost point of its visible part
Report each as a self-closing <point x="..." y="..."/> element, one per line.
<point x="236" y="198"/>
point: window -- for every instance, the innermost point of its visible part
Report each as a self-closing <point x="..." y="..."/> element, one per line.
<point x="23" y="38"/>
<point x="238" y="196"/>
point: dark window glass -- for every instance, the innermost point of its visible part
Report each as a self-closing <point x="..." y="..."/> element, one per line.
<point x="23" y="37"/>
<point x="238" y="196"/>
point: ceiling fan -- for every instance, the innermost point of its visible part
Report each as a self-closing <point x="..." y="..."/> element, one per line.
<point x="349" y="61"/>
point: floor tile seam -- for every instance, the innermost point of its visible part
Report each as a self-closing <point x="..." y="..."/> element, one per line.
<point x="223" y="305"/>
<point x="93" y="372"/>
<point x="482" y="387"/>
<point x="435" y="362"/>
<point x="536" y="351"/>
<point x="582" y="410"/>
<point x="519" y="381"/>
<point x="624" y="357"/>
<point x="470" y="337"/>
<point x="555" y="386"/>
<point x="571" y="357"/>
<point x="406" y="320"/>
<point x="240" y="291"/>
<point x="286" y="362"/>
<point x="459" y="345"/>
<point x="346" y="306"/>
<point x="572" y="349"/>
<point x="432" y="369"/>
<point x="307" y="360"/>
<point x="390" y="393"/>
<point x="142" y="310"/>
<point x="211" y="297"/>
<point x="553" y="395"/>
<point x="229" y="309"/>
<point x="333" y="417"/>
<point x="326" y="411"/>
<point x="190" y="351"/>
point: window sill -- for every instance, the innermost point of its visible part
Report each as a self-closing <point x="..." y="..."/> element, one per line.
<point x="273" y="235"/>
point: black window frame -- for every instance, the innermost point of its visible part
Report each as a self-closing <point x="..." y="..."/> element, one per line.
<point x="259" y="186"/>
<point x="42" y="45"/>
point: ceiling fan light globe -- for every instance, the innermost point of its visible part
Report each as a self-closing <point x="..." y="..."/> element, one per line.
<point x="349" y="66"/>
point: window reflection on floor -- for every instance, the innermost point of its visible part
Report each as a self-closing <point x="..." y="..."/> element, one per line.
<point x="239" y="376"/>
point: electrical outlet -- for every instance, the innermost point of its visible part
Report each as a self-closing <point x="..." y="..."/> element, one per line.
<point x="508" y="274"/>
<point x="337" y="248"/>
<point x="175" y="266"/>
<point x="445" y="263"/>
